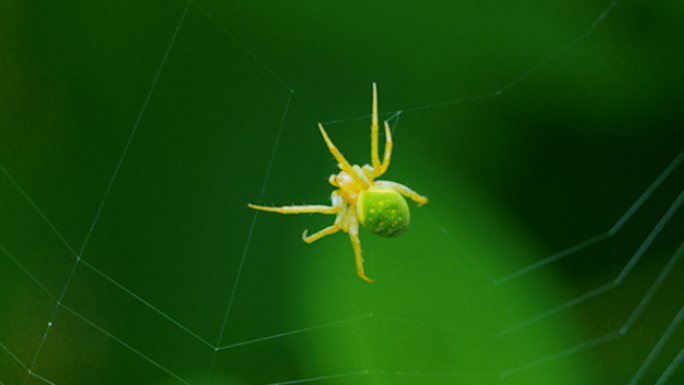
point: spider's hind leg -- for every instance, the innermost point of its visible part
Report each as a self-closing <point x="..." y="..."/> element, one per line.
<point x="321" y="233"/>
<point x="356" y="243"/>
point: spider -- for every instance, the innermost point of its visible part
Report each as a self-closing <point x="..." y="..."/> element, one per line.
<point x="377" y="204"/>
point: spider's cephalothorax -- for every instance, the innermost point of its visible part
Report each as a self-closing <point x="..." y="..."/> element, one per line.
<point x="377" y="204"/>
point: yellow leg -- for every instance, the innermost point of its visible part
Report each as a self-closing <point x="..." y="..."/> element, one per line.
<point x="354" y="235"/>
<point x="320" y="234"/>
<point x="298" y="209"/>
<point x="375" y="161"/>
<point x="388" y="152"/>
<point x="344" y="165"/>
<point x="379" y="168"/>
<point x="403" y="190"/>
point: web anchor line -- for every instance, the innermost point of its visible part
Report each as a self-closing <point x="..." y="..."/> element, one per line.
<point x="624" y="329"/>
<point x="609" y="233"/>
<point x="249" y="236"/>
<point x="620" y="277"/>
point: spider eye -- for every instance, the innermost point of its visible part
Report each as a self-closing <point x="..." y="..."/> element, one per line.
<point x="383" y="211"/>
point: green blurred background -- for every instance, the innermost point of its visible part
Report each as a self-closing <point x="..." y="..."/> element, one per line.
<point x="556" y="158"/>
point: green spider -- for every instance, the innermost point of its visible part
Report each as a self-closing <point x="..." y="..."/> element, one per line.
<point x="377" y="204"/>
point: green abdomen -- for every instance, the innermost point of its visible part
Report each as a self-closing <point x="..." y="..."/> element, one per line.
<point x="383" y="211"/>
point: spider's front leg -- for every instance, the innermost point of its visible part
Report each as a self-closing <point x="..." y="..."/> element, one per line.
<point x="343" y="163"/>
<point x="379" y="168"/>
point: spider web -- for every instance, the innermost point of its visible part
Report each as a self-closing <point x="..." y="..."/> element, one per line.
<point x="546" y="136"/>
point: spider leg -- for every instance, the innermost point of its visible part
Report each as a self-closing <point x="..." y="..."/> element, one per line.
<point x="403" y="190"/>
<point x="374" y="129"/>
<point x="344" y="164"/>
<point x="321" y="233"/>
<point x="340" y="220"/>
<point x="356" y="243"/>
<point x="298" y="209"/>
<point x="379" y="168"/>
